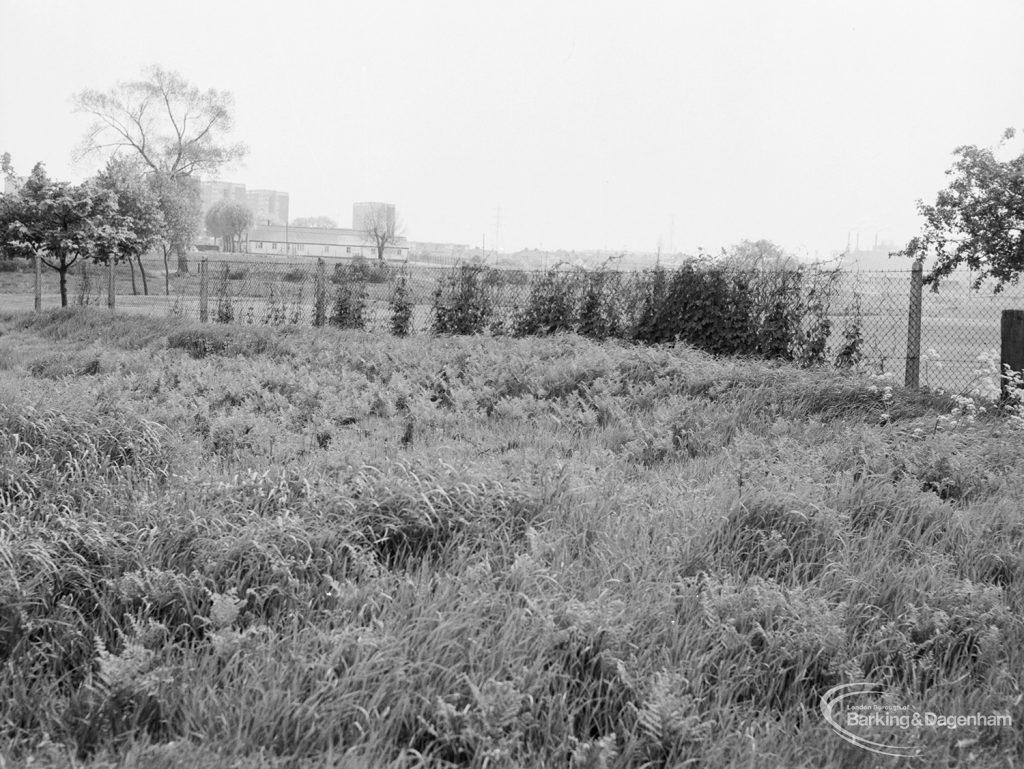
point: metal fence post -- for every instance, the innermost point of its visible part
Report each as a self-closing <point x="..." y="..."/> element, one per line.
<point x="204" y="290"/>
<point x="912" y="374"/>
<point x="39" y="284"/>
<point x="1011" y="346"/>
<point x="320" y="294"/>
<point x="110" y="284"/>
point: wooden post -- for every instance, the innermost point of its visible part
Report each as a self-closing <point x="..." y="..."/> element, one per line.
<point x="39" y="283"/>
<point x="204" y="291"/>
<point x="110" y="284"/>
<point x="912" y="374"/>
<point x="1012" y="347"/>
<point x="320" y="294"/>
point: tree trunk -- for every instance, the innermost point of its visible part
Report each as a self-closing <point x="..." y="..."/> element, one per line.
<point x="142" y="271"/>
<point x="167" y="272"/>
<point x="182" y="261"/>
<point x="135" y="291"/>
<point x="62" y="270"/>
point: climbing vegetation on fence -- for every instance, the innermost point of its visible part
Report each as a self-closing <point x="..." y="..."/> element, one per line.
<point x="780" y="314"/>
<point x="463" y="301"/>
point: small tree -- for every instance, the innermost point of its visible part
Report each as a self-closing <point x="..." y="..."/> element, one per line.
<point x="61" y="224"/>
<point x="141" y="221"/>
<point x="349" y="308"/>
<point x="978" y="220"/>
<point x="181" y="206"/>
<point x="228" y="220"/>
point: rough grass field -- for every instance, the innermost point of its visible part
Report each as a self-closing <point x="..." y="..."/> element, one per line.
<point x="958" y="323"/>
<point x="230" y="546"/>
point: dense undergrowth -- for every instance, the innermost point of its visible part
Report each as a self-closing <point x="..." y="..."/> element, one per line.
<point x="227" y="546"/>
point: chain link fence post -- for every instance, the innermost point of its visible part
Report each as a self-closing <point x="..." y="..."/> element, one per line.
<point x="204" y="291"/>
<point x="912" y="373"/>
<point x="320" y="294"/>
<point x="1011" y="351"/>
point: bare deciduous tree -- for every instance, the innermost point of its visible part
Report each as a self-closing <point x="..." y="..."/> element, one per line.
<point x="381" y="228"/>
<point x="170" y="125"/>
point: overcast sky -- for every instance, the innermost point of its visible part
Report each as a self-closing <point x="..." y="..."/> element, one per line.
<point x="588" y="124"/>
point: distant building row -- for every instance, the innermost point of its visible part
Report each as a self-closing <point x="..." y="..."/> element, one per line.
<point x="331" y="242"/>
<point x="271" y="233"/>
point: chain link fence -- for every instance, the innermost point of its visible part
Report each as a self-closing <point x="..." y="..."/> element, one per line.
<point x="957" y="324"/>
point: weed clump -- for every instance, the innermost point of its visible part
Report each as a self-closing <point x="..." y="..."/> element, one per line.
<point x="779" y="648"/>
<point x="61" y="365"/>
<point x="776" y="539"/>
<point x="204" y="341"/>
<point x="407" y="517"/>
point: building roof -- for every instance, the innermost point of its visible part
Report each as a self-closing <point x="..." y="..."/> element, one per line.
<point x="325" y="236"/>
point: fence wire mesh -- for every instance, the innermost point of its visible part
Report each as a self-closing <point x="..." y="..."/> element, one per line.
<point x="958" y="323"/>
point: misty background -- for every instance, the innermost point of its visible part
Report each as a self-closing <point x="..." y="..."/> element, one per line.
<point x="575" y="125"/>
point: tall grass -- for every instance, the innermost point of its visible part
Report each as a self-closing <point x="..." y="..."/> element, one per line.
<point x="223" y="546"/>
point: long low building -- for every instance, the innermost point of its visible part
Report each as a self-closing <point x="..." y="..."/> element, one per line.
<point x="319" y="241"/>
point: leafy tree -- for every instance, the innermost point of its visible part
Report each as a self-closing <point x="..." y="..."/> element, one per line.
<point x="314" y="221"/>
<point x="61" y="223"/>
<point x="141" y="221"/>
<point x="182" y="209"/>
<point x="758" y="255"/>
<point x="6" y="165"/>
<point x="978" y="220"/>
<point x="168" y="124"/>
<point x="228" y="220"/>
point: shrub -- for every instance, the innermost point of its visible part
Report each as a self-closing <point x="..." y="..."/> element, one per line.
<point x="851" y="350"/>
<point x="277" y="312"/>
<point x="462" y="301"/>
<point x="706" y="307"/>
<point x="361" y="269"/>
<point x="600" y="316"/>
<point x="225" y="309"/>
<point x="550" y="307"/>
<point x="349" y="309"/>
<point x="781" y="314"/>
<point x="401" y="309"/>
<point x="295" y="275"/>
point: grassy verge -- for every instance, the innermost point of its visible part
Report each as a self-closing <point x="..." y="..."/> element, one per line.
<point x="230" y="546"/>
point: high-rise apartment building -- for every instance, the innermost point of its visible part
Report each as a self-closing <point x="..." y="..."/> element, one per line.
<point x="268" y="206"/>
<point x="212" y="192"/>
<point x="365" y="213"/>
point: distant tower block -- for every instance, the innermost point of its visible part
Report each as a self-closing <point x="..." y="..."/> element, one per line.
<point x="365" y="213"/>
<point x="268" y="206"/>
